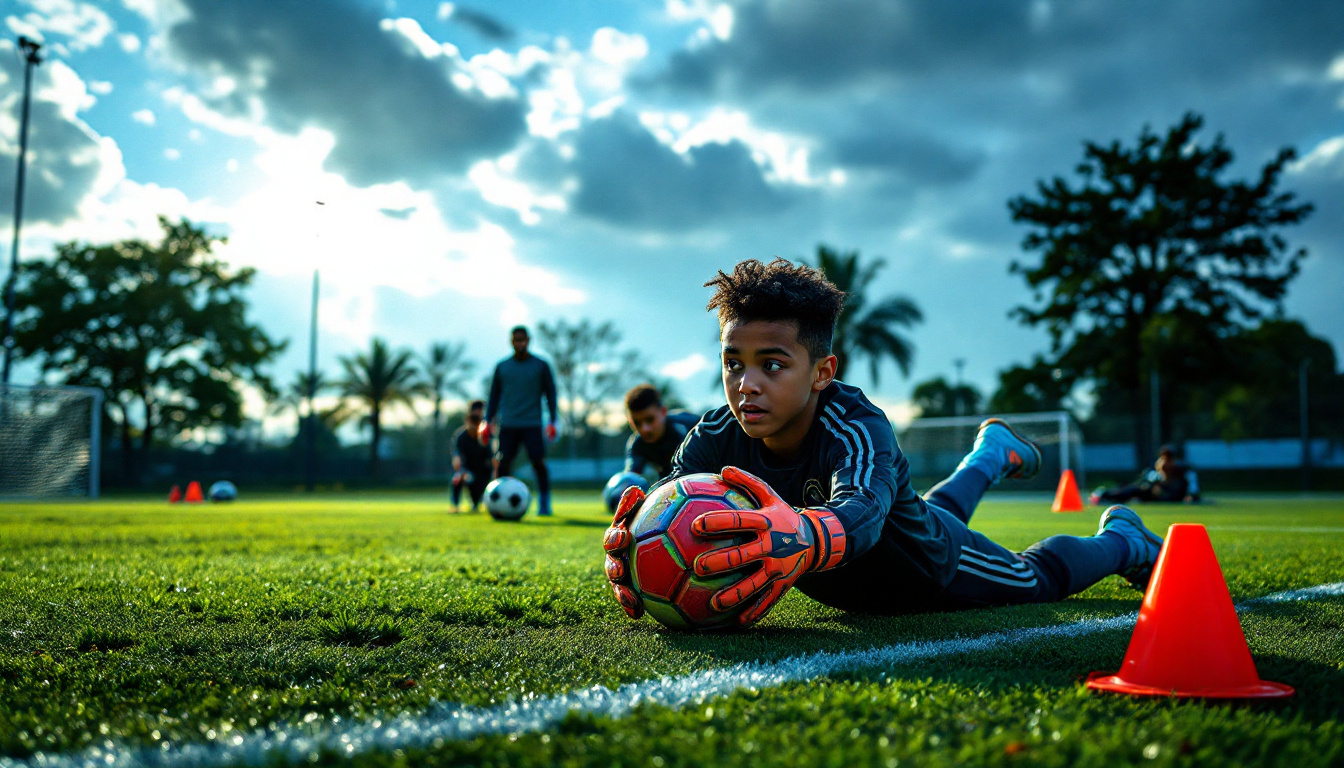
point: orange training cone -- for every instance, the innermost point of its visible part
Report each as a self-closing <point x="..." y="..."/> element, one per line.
<point x="194" y="492"/>
<point x="1187" y="641"/>
<point x="175" y="495"/>
<point x="1066" y="496"/>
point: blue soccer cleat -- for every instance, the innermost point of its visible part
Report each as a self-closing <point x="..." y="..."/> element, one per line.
<point x="1022" y="458"/>
<point x="1144" y="545"/>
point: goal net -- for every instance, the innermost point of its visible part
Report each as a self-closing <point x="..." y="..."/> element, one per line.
<point x="49" y="441"/>
<point x="934" y="447"/>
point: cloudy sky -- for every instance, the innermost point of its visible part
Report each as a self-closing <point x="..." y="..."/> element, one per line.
<point x="521" y="160"/>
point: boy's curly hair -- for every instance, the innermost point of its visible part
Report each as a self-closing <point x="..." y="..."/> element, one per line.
<point x="780" y="291"/>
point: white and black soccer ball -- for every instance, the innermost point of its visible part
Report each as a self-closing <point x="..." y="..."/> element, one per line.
<point x="616" y="487"/>
<point x="506" y="498"/>
<point x="223" y="491"/>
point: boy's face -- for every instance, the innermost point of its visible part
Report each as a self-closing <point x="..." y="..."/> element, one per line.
<point x="769" y="379"/>
<point x="475" y="415"/>
<point x="649" y="422"/>
<point x="520" y="341"/>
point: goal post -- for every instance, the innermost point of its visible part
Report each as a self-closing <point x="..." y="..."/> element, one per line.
<point x="50" y="441"/>
<point x="935" y="446"/>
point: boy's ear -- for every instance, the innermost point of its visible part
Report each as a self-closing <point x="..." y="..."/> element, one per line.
<point x="823" y="373"/>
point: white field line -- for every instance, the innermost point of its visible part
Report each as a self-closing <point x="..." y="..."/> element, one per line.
<point x="527" y="714"/>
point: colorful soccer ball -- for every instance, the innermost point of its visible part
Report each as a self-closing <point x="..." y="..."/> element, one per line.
<point x="506" y="498"/>
<point x="223" y="491"/>
<point x="664" y="549"/>
<point x="617" y="485"/>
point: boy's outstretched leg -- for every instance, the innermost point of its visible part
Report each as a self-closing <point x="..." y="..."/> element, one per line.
<point x="1053" y="569"/>
<point x="998" y="452"/>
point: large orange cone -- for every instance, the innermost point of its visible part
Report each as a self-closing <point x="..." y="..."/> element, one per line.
<point x="175" y="495"/>
<point x="194" y="492"/>
<point x="1187" y="641"/>
<point x="1066" y="496"/>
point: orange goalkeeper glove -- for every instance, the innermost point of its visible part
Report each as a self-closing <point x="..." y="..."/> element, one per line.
<point x="617" y="542"/>
<point x="785" y="543"/>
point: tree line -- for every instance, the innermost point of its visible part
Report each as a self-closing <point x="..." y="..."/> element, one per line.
<point x="1154" y="275"/>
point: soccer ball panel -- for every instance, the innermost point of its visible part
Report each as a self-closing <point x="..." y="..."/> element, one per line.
<point x="666" y="614"/>
<point x="660" y="573"/>
<point x="704" y="485"/>
<point x="657" y="511"/>
<point x="693" y="601"/>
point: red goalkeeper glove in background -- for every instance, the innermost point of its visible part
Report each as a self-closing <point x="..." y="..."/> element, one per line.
<point x="483" y="433"/>
<point x="785" y="544"/>
<point x="617" y="542"/>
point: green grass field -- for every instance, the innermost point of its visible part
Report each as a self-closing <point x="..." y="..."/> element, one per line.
<point x="138" y="623"/>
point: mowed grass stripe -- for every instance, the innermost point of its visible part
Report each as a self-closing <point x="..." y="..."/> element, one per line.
<point x="450" y="723"/>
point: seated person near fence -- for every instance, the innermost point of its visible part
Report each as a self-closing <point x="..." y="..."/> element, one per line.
<point x="1170" y="479"/>
<point x="657" y="433"/>
<point x="472" y="463"/>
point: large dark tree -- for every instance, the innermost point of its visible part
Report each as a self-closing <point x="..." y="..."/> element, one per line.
<point x="376" y="380"/>
<point x="868" y="326"/>
<point x="160" y="327"/>
<point x="936" y="397"/>
<point x="590" y="368"/>
<point x="1040" y="386"/>
<point x="1152" y="252"/>
<point x="1265" y="399"/>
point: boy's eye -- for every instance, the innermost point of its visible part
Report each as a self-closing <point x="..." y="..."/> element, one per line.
<point x="732" y="365"/>
<point x="773" y="365"/>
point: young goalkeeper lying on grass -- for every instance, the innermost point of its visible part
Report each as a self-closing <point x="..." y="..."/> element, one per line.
<point x="823" y="464"/>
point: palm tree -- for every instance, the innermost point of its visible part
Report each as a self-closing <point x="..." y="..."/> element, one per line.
<point x="295" y="396"/>
<point x="865" y="331"/>
<point x="446" y="369"/>
<point x="377" y="379"/>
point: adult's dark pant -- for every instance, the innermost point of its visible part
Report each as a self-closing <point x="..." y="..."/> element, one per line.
<point x="529" y="438"/>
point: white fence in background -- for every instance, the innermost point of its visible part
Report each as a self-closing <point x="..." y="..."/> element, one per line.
<point x="1216" y="454"/>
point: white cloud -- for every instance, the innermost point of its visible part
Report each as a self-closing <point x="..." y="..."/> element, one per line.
<point x="1325" y="156"/>
<point x="172" y="154"/>
<point x="129" y="43"/>
<point x="66" y="89"/>
<point x="686" y="367"/>
<point x="498" y="187"/>
<point x="785" y="157"/>
<point x="83" y="25"/>
<point x="279" y="229"/>
<point x="143" y="116"/>
<point x="100" y="87"/>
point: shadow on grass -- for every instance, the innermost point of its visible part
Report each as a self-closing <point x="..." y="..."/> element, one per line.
<point x="834" y="630"/>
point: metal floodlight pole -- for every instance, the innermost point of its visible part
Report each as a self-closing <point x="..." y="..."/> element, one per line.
<point x="29" y="50"/>
<point x="311" y="442"/>
<point x="1306" y="424"/>
<point x="960" y="363"/>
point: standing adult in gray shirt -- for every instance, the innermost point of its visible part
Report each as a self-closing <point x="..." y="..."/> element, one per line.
<point x="519" y="384"/>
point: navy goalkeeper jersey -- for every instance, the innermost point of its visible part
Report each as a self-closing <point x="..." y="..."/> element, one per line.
<point x="899" y="553"/>
<point x="659" y="453"/>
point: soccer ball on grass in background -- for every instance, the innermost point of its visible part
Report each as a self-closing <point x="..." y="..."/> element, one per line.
<point x="617" y="485"/>
<point x="664" y="549"/>
<point x="223" y="491"/>
<point x="506" y="498"/>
